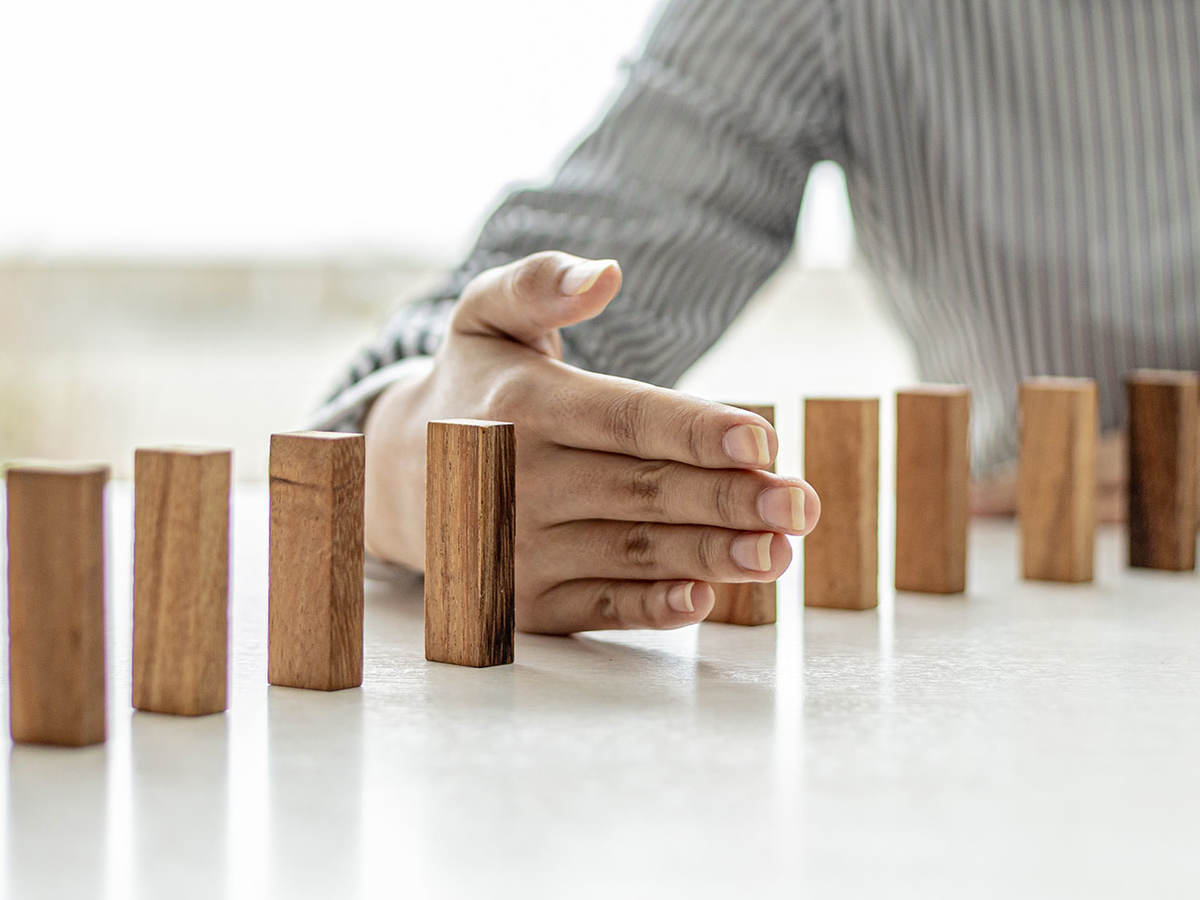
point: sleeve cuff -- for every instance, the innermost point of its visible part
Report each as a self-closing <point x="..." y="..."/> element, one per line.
<point x="348" y="410"/>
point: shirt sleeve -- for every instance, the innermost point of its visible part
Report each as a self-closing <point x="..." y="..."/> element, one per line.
<point x="692" y="180"/>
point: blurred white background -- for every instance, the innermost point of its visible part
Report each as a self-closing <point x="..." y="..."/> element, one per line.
<point x="206" y="207"/>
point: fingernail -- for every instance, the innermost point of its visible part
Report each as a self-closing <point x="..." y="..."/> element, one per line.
<point x="783" y="507"/>
<point x="747" y="445"/>
<point x="581" y="277"/>
<point x="679" y="597"/>
<point x="752" y="551"/>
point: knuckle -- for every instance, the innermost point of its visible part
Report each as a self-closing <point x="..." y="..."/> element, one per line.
<point x="637" y="546"/>
<point x="471" y="290"/>
<point x="637" y="608"/>
<point x="606" y="608"/>
<point x="534" y="275"/>
<point x="473" y="293"/>
<point x="709" y="554"/>
<point x="647" y="486"/>
<point x="725" y="497"/>
<point x="509" y="397"/>
<point x="695" y="434"/>
<point x="626" y="419"/>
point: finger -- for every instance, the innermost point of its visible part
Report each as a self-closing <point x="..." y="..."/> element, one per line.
<point x="595" y="604"/>
<point x="529" y="299"/>
<point x="584" y="484"/>
<point x="648" y="551"/>
<point x="618" y="415"/>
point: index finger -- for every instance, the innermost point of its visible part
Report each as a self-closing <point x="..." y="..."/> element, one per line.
<point x="619" y="415"/>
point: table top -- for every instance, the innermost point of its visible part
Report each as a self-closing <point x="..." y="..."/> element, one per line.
<point x="1021" y="740"/>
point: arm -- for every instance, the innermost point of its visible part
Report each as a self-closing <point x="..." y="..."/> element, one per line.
<point x="632" y="498"/>
<point x="692" y="181"/>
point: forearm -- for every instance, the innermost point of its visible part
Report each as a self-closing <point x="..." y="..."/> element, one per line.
<point x="395" y="438"/>
<point x="692" y="180"/>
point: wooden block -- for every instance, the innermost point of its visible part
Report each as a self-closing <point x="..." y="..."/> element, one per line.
<point x="841" y="460"/>
<point x="750" y="602"/>
<point x="932" y="488"/>
<point x="56" y="670"/>
<point x="1164" y="414"/>
<point x="1056" y="482"/>
<point x="316" y="570"/>
<point x="181" y="579"/>
<point x="470" y="521"/>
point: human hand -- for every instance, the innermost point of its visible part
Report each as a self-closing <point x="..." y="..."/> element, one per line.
<point x="631" y="499"/>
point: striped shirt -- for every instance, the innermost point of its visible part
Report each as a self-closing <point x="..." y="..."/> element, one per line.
<point x="1024" y="178"/>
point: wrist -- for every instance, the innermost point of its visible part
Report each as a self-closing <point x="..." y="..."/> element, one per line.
<point x="395" y="472"/>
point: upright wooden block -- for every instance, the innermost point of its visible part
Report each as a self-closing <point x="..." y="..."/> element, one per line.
<point x="932" y="488"/>
<point x="470" y="521"/>
<point x="316" y="571"/>
<point x="180" y="579"/>
<point x="56" y="603"/>
<point x="1164" y="409"/>
<point x="1056" y="482"/>
<point x="841" y="460"/>
<point x="750" y="602"/>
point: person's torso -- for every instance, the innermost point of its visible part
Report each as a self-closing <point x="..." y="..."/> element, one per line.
<point x="1025" y="179"/>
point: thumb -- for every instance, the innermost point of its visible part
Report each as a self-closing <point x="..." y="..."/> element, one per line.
<point x="530" y="299"/>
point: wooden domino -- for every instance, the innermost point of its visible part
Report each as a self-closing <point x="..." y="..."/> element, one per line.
<point x="470" y="521"/>
<point x="1056" y="484"/>
<point x="750" y="602"/>
<point x="1163" y="422"/>
<point x="932" y="488"/>
<point x="841" y="461"/>
<point x="56" y="672"/>
<point x="316" y="560"/>
<point x="181" y="579"/>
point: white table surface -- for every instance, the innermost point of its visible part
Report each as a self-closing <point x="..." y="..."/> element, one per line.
<point x="1023" y="740"/>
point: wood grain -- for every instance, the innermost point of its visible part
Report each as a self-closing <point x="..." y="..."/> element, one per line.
<point x="932" y="488"/>
<point x="316" y="560"/>
<point x="1164" y="415"/>
<point x="56" y="671"/>
<point x="1056" y="482"/>
<point x="181" y="579"/>
<point x="841" y="461"/>
<point x="470" y="521"/>
<point x="750" y="602"/>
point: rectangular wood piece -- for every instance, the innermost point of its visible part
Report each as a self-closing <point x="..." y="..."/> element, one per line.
<point x="470" y="522"/>
<point x="932" y="488"/>
<point x="1164" y="415"/>
<point x="56" y="671"/>
<point x="841" y="461"/>
<point x="749" y="602"/>
<point x="1056" y="483"/>
<point x="316" y="567"/>
<point x="181" y="579"/>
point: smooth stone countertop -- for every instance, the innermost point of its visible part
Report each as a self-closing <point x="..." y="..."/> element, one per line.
<point x="1023" y="740"/>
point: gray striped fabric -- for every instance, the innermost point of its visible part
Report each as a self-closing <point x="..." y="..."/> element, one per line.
<point x="1024" y="176"/>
